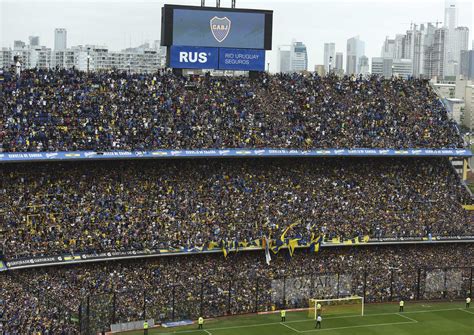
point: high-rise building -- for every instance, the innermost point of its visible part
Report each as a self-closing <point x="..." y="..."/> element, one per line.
<point x="427" y="44"/>
<point x="18" y="45"/>
<point x="355" y="50"/>
<point x="417" y="40"/>
<point x="6" y="57"/>
<point x="60" y="39"/>
<point x="399" y="52"/>
<point x="284" y="55"/>
<point x="329" y="56"/>
<point x="438" y="54"/>
<point x="298" y="57"/>
<point x="469" y="116"/>
<point x="363" y="65"/>
<point x="339" y="64"/>
<point x="467" y="64"/>
<point x="451" y="58"/>
<point x="34" y="41"/>
<point x="450" y="14"/>
<point x="39" y="57"/>
<point x="418" y="46"/>
<point x="65" y="59"/>
<point x="389" y="67"/>
<point x="141" y="59"/>
<point x="388" y="48"/>
<point x="21" y="52"/>
<point x="379" y="68"/>
<point x="161" y="50"/>
<point x="423" y="64"/>
<point x="393" y="48"/>
<point x="460" y="43"/>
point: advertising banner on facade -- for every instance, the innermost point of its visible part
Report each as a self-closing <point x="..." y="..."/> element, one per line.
<point x="241" y="59"/>
<point x="186" y="57"/>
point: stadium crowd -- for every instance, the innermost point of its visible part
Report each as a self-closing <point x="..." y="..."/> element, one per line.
<point x="24" y="310"/>
<point x="143" y="205"/>
<point x="54" y="208"/>
<point x="145" y="287"/>
<point x="50" y="110"/>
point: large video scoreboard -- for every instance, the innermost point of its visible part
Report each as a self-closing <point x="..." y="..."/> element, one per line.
<point x="216" y="38"/>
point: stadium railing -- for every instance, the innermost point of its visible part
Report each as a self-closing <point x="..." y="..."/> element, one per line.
<point x="172" y="302"/>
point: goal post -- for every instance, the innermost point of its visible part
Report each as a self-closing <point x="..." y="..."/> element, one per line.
<point x="353" y="305"/>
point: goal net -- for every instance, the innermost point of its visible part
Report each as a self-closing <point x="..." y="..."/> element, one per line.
<point x="353" y="305"/>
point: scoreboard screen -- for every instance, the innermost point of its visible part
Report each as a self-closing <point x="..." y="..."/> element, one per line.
<point x="216" y="27"/>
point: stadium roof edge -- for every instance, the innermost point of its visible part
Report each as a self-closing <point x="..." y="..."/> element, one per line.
<point x="12" y="157"/>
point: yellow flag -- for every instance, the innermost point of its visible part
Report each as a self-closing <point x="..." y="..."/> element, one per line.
<point x="292" y="245"/>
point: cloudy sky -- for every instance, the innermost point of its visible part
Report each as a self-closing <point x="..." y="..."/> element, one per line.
<point x="122" y="23"/>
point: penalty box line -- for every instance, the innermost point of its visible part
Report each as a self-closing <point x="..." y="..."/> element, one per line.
<point x="410" y="321"/>
<point x="406" y="317"/>
<point x="360" y="326"/>
<point x="465" y="310"/>
<point x="289" y="327"/>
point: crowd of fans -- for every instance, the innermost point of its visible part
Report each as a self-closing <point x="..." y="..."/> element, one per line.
<point x="142" y="205"/>
<point x="49" y="110"/>
<point x="211" y="285"/>
<point x="54" y="208"/>
<point x="24" y="310"/>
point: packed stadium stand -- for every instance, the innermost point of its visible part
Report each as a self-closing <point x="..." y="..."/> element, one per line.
<point x="69" y="110"/>
<point x="137" y="205"/>
<point x="50" y="209"/>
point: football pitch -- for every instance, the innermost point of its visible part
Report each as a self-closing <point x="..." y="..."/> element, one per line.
<point x="418" y="318"/>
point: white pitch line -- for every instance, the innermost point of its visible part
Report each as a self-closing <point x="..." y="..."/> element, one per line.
<point x="291" y="328"/>
<point x="186" y="331"/>
<point x="406" y="317"/>
<point x="465" y="310"/>
<point x="305" y="320"/>
<point x="361" y="326"/>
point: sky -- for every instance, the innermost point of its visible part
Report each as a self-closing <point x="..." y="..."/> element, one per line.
<point x="119" y="24"/>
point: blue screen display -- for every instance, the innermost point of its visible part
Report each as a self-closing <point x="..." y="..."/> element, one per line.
<point x="211" y="28"/>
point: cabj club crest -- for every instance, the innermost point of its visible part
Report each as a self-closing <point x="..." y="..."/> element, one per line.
<point x="220" y="28"/>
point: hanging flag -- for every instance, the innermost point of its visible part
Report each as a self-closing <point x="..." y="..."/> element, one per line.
<point x="212" y="245"/>
<point x="279" y="243"/>
<point x="292" y="245"/>
<point x="265" y="244"/>
<point x="234" y="245"/>
<point x="315" y="243"/>
<point x="257" y="243"/>
<point x="225" y="248"/>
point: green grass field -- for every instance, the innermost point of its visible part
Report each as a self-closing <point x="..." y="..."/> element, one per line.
<point x="420" y="318"/>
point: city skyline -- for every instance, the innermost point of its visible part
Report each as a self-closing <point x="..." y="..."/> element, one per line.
<point x="121" y="24"/>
